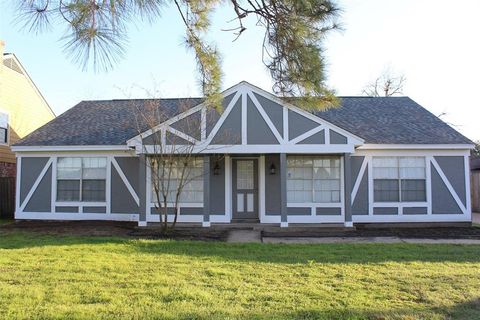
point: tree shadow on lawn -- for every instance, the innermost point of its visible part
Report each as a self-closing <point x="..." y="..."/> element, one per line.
<point x="257" y="252"/>
<point x="465" y="310"/>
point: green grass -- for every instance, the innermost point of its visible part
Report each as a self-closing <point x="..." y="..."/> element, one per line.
<point x="93" y="277"/>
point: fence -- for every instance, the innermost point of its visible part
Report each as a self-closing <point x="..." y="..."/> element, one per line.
<point x="7" y="198"/>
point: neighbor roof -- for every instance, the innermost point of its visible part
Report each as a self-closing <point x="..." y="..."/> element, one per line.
<point x="378" y="120"/>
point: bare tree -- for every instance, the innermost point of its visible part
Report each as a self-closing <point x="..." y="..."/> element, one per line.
<point x="387" y="84"/>
<point x="172" y="155"/>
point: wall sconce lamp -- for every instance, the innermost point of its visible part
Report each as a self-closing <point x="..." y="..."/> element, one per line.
<point x="216" y="169"/>
<point x="273" y="169"/>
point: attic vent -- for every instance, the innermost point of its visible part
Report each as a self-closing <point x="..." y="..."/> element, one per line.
<point x="10" y="63"/>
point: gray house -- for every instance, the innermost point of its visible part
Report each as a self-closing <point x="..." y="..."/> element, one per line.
<point x="373" y="160"/>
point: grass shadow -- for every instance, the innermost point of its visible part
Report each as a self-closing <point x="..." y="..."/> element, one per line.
<point x="257" y="252"/>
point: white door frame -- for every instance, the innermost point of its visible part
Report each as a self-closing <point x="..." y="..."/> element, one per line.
<point x="229" y="185"/>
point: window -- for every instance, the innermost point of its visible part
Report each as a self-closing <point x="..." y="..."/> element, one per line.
<point x="398" y="179"/>
<point x="192" y="181"/>
<point x="313" y="179"/>
<point x="3" y="128"/>
<point x="81" y="179"/>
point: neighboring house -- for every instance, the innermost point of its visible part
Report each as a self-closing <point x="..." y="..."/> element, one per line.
<point x="372" y="160"/>
<point x="22" y="110"/>
<point x="475" y="180"/>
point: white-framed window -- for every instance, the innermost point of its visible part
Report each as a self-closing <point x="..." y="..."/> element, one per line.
<point x="399" y="179"/>
<point x="184" y="173"/>
<point x="313" y="179"/>
<point x="81" y="179"/>
<point x="3" y="128"/>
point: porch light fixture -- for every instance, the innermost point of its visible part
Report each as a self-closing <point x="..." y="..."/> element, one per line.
<point x="216" y="169"/>
<point x="273" y="169"/>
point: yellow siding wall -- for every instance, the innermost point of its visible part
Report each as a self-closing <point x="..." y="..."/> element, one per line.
<point x="27" y="110"/>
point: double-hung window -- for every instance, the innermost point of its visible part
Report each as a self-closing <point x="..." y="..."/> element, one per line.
<point x="81" y="179"/>
<point x="178" y="174"/>
<point x="3" y="128"/>
<point x="313" y="179"/>
<point x="399" y="179"/>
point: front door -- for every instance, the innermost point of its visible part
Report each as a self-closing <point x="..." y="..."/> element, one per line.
<point x="245" y="188"/>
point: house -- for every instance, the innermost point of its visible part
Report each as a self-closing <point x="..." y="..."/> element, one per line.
<point x="475" y="181"/>
<point x="372" y="160"/>
<point x="22" y="110"/>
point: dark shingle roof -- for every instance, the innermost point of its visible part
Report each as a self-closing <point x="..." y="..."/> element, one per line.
<point x="391" y="120"/>
<point x="379" y="120"/>
<point x="105" y="122"/>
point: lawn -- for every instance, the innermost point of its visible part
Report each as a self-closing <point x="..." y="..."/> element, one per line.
<point x="94" y="277"/>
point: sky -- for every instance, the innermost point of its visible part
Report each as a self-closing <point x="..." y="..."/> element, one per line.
<point x="435" y="44"/>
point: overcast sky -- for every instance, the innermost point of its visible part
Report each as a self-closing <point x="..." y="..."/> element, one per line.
<point x="435" y="44"/>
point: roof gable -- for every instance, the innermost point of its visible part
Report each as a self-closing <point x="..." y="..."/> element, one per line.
<point x="245" y="123"/>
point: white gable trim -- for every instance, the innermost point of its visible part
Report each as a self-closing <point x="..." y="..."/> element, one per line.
<point x="308" y="134"/>
<point x="242" y="91"/>
<point x="265" y="117"/>
<point x="302" y="112"/>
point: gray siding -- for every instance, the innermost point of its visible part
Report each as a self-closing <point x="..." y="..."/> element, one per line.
<point x="442" y="200"/>
<point x="360" y="204"/>
<point x="129" y="166"/>
<point x="317" y="138"/>
<point x="454" y="169"/>
<point x="231" y="130"/>
<point x="298" y="211"/>
<point x="258" y="131"/>
<point x="122" y="200"/>
<point x="213" y="115"/>
<point x="94" y="209"/>
<point x="217" y="187"/>
<point x="415" y="210"/>
<point x="385" y="210"/>
<point x="272" y="184"/>
<point x="30" y="170"/>
<point x="152" y="139"/>
<point x="190" y="125"/>
<point x="173" y="139"/>
<point x="298" y="124"/>
<point x="337" y="138"/>
<point x="191" y="211"/>
<point x="328" y="211"/>
<point x="66" y="209"/>
<point x="157" y="211"/>
<point x="41" y="198"/>
<point x="273" y="110"/>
